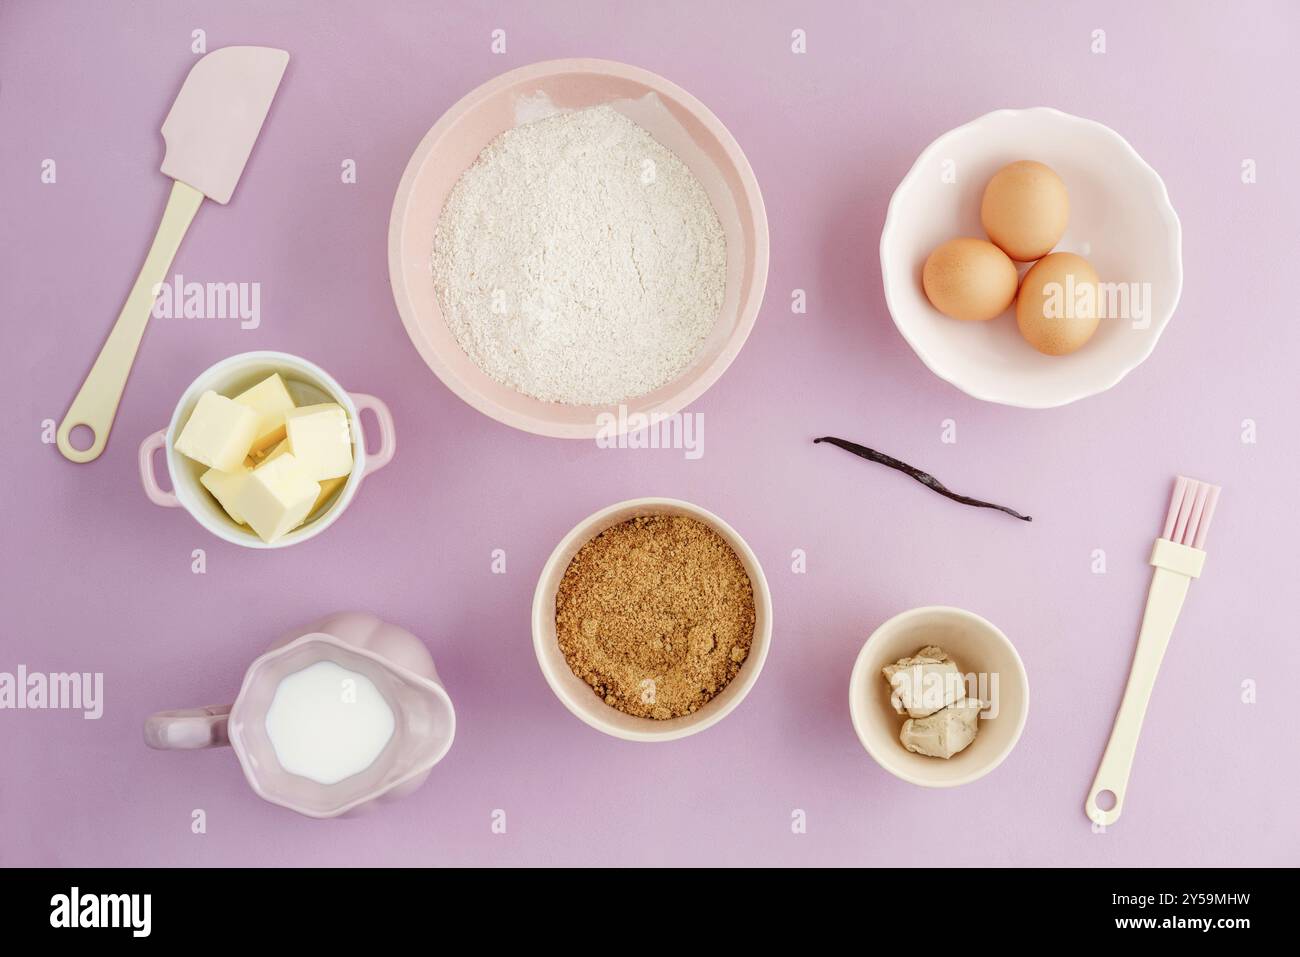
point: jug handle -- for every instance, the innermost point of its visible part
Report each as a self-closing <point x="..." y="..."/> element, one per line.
<point x="189" y="729"/>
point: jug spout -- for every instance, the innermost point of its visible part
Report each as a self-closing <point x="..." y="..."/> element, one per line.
<point x="428" y="723"/>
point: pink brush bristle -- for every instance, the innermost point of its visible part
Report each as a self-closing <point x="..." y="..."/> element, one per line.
<point x="1191" y="509"/>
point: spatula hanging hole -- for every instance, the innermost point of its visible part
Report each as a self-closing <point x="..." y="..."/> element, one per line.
<point x="1105" y="800"/>
<point x="81" y="437"/>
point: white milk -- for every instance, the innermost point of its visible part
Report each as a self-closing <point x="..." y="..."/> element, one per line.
<point x="327" y="723"/>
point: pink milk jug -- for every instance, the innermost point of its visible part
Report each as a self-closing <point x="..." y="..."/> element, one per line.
<point x="390" y="700"/>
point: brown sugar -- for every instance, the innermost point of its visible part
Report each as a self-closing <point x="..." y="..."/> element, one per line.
<point x="656" y="614"/>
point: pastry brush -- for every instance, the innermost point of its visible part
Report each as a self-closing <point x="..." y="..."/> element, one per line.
<point x="1178" y="557"/>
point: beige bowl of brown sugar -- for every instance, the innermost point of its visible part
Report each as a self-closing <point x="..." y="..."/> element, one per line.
<point x="582" y="698"/>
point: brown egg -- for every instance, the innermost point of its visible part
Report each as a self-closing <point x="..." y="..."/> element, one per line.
<point x="1058" y="308"/>
<point x="969" y="279"/>
<point x="1025" y="210"/>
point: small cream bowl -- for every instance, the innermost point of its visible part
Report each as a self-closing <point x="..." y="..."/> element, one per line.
<point x="576" y="695"/>
<point x="307" y="383"/>
<point x="978" y="647"/>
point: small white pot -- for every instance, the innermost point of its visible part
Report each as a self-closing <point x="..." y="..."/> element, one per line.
<point x="307" y="383"/>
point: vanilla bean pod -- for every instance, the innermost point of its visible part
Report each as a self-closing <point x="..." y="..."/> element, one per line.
<point x="925" y="478"/>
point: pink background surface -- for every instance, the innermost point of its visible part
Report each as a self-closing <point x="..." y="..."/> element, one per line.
<point x="97" y="579"/>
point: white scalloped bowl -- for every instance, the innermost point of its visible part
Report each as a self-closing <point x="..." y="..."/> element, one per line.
<point x="1121" y="221"/>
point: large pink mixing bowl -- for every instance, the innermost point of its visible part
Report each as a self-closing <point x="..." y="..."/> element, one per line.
<point x="670" y="114"/>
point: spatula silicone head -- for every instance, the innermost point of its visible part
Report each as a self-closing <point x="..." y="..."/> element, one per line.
<point x="215" y="120"/>
<point x="209" y="132"/>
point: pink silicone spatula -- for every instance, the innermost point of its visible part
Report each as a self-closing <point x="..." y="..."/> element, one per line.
<point x="209" y="133"/>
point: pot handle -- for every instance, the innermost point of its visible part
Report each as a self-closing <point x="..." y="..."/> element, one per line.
<point x="387" y="436"/>
<point x="156" y="493"/>
<point x="189" y="729"/>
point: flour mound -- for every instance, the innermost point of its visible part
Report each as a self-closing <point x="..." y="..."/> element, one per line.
<point x="579" y="260"/>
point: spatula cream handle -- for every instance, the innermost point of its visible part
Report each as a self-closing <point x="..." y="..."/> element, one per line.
<point x="96" y="404"/>
<point x="1175" y="567"/>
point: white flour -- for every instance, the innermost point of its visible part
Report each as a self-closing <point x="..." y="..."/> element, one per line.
<point x="579" y="261"/>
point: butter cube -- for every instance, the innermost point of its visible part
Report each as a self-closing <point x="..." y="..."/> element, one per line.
<point x="327" y="488"/>
<point x="270" y="400"/>
<point x="276" y="497"/>
<point x="258" y="456"/>
<point x="219" y="432"/>
<point x="224" y="486"/>
<point x="267" y="455"/>
<point x="321" y="439"/>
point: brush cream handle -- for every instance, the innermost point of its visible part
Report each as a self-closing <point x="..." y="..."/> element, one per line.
<point x="96" y="404"/>
<point x="1175" y="567"/>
